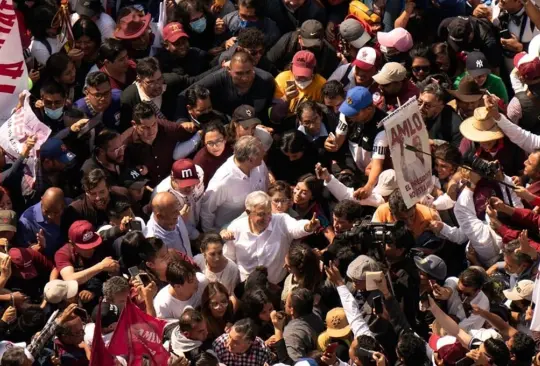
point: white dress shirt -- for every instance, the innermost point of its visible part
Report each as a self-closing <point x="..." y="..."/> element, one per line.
<point x="342" y="192"/>
<point x="455" y="306"/>
<point x="177" y="239"/>
<point x="484" y="240"/>
<point x="526" y="140"/>
<point x="226" y="193"/>
<point x="268" y="249"/>
<point x="194" y="200"/>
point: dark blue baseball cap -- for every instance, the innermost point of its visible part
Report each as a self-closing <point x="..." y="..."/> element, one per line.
<point x="357" y="99"/>
<point x="55" y="149"/>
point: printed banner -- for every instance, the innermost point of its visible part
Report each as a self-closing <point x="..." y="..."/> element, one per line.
<point x="13" y="73"/>
<point x="13" y="134"/>
<point x="405" y="127"/>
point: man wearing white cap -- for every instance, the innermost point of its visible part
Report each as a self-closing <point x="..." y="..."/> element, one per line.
<point x="359" y="72"/>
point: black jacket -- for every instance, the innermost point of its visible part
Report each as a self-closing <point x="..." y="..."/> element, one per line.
<point x="445" y="126"/>
<point x="282" y="53"/>
<point x="288" y="21"/>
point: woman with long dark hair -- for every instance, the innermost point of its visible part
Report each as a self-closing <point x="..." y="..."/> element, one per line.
<point x="216" y="309"/>
<point x="87" y="39"/>
<point x="304" y="269"/>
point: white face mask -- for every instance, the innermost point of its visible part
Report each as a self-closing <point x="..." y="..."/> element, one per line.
<point x="303" y="84"/>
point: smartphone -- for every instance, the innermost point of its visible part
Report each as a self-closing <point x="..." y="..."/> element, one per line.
<point x="331" y="135"/>
<point x="505" y="34"/>
<point x="362" y="352"/>
<point x="133" y="271"/>
<point x="290" y="83"/>
<point x="144" y="278"/>
<point x="371" y="279"/>
<point x="331" y="348"/>
<point x="135" y="225"/>
<point x="378" y="305"/>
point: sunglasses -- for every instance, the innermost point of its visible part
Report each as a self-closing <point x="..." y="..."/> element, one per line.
<point x="421" y="68"/>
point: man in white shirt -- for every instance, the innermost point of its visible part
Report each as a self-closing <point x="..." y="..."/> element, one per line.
<point x="186" y="183"/>
<point x="185" y="288"/>
<point x="167" y="223"/>
<point x="94" y="10"/>
<point x="465" y="290"/>
<point x="242" y="173"/>
<point x="262" y="238"/>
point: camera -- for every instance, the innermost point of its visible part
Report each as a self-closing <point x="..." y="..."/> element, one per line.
<point x="368" y="238"/>
<point x="483" y="167"/>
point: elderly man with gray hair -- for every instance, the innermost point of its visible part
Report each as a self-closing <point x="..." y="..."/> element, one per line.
<point x="262" y="238"/>
<point x="242" y="173"/>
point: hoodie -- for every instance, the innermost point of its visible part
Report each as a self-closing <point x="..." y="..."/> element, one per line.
<point x="183" y="346"/>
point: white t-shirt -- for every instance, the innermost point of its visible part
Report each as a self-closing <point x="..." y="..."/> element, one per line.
<point x="89" y="335"/>
<point x="40" y="51"/>
<point x="228" y="277"/>
<point x="167" y="307"/>
<point x="362" y="157"/>
<point x="105" y="24"/>
<point x="455" y="306"/>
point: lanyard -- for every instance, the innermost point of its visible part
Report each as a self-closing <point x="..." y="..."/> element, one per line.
<point x="181" y="240"/>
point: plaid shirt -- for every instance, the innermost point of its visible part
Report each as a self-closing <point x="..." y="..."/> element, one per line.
<point x="39" y="342"/>
<point x="257" y="355"/>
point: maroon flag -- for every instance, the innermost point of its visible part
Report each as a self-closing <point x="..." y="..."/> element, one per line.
<point x="138" y="338"/>
<point x="100" y="355"/>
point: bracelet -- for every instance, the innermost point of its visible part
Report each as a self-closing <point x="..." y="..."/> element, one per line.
<point x="12" y="299"/>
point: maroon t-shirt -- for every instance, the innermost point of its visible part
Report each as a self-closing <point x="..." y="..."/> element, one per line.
<point x="390" y="104"/>
<point x="66" y="257"/>
<point x="210" y="163"/>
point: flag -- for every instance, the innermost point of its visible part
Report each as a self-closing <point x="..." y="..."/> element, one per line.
<point x="138" y="337"/>
<point x="100" y="355"/>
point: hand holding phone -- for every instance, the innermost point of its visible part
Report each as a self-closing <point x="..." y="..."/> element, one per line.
<point x="331" y="348"/>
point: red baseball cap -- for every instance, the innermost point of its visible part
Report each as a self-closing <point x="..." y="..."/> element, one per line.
<point x="303" y="64"/>
<point x="448" y="348"/>
<point x="82" y="234"/>
<point x="184" y="172"/>
<point x="529" y="67"/>
<point x="366" y="58"/>
<point x="21" y="259"/>
<point x="174" y="31"/>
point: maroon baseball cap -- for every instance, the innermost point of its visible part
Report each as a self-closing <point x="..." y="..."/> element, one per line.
<point x="303" y="64"/>
<point x="174" y="31"/>
<point x="448" y="348"/>
<point x="529" y="67"/>
<point x="184" y="172"/>
<point x="83" y="235"/>
<point x="21" y="259"/>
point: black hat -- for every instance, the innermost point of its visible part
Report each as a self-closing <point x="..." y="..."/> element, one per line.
<point x="89" y="8"/>
<point x="245" y="115"/>
<point x="459" y="30"/>
<point x="312" y="33"/>
<point x="477" y="64"/>
<point x="109" y="314"/>
<point x="132" y="178"/>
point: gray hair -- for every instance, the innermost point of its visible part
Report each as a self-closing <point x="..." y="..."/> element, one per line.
<point x="114" y="285"/>
<point x="247" y="148"/>
<point x="434" y="89"/>
<point x="257" y="199"/>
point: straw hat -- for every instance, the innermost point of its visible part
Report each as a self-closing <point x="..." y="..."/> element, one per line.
<point x="480" y="127"/>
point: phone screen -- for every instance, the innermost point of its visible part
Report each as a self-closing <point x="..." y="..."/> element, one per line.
<point x="133" y="271"/>
<point x="135" y="225"/>
<point x="145" y="278"/>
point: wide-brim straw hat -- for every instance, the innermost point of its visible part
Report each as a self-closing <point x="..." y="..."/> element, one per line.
<point x="480" y="127"/>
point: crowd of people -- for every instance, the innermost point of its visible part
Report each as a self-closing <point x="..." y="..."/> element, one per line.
<point x="221" y="166"/>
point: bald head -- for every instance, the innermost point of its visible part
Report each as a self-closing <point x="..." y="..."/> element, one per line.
<point x="166" y="210"/>
<point x="53" y="204"/>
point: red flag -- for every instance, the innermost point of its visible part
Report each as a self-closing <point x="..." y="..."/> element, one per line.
<point x="138" y="337"/>
<point x="100" y="355"/>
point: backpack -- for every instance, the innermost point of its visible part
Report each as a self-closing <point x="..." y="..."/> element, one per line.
<point x="363" y="13"/>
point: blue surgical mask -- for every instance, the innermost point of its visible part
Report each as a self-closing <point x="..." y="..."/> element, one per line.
<point x="54" y="113"/>
<point x="199" y="25"/>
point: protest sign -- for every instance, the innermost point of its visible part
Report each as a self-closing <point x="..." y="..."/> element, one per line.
<point x="13" y="73"/>
<point x="413" y="169"/>
<point x="13" y="134"/>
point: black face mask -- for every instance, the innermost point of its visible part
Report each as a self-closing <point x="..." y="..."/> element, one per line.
<point x="535" y="90"/>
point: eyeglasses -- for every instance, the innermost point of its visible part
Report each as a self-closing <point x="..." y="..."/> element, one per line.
<point x="422" y="104"/>
<point x="421" y="68"/>
<point x="217" y="304"/>
<point x="101" y="95"/>
<point x="280" y="201"/>
<point x="215" y="143"/>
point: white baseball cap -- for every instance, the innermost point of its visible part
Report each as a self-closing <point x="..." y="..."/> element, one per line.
<point x="57" y="291"/>
<point x="366" y="58"/>
<point x="387" y="183"/>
